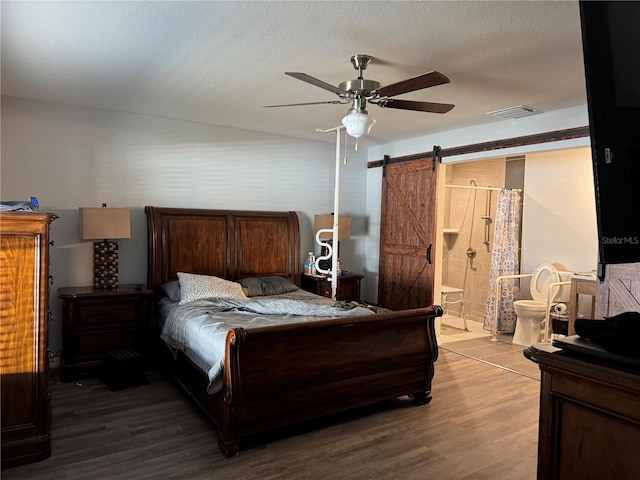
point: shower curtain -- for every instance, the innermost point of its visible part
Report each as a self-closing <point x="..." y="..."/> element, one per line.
<point x="505" y="260"/>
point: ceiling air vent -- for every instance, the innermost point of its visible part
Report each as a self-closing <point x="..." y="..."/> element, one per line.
<point x="518" y="111"/>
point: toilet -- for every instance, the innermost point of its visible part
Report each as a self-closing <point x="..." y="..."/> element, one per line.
<point x="532" y="313"/>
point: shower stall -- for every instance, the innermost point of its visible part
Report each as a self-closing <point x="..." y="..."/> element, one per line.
<point x="470" y="202"/>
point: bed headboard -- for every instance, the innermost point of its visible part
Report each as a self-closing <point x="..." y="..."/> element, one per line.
<point x="231" y="244"/>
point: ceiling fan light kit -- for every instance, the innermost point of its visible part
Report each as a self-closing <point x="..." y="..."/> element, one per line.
<point x="358" y="124"/>
<point x="360" y="91"/>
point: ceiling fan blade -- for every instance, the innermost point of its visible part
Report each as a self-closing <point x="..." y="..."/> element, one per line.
<point x="307" y="103"/>
<point x="417" y="106"/>
<point x="425" y="80"/>
<point x="314" y="81"/>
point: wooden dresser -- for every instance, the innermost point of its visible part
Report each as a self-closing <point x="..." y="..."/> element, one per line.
<point x="589" y="416"/>
<point x="24" y="309"/>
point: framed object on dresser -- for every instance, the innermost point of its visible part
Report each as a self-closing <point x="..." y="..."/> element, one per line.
<point x="24" y="369"/>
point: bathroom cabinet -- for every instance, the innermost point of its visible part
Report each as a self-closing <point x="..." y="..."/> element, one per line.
<point x="589" y="415"/>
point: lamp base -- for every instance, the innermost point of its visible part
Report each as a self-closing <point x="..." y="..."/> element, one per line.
<point x="105" y="265"/>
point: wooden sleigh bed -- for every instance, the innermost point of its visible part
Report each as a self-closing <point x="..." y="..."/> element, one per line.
<point x="279" y="375"/>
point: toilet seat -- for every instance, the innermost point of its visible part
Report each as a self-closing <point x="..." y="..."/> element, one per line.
<point x="542" y="278"/>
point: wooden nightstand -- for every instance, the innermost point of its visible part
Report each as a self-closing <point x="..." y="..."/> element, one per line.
<point x="95" y="321"/>
<point x="348" y="286"/>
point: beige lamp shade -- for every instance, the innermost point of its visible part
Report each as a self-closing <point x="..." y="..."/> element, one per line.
<point x="326" y="221"/>
<point x="105" y="223"/>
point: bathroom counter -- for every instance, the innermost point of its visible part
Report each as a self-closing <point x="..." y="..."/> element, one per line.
<point x="589" y="415"/>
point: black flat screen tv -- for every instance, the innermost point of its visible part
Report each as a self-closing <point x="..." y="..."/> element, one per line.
<point x="611" y="47"/>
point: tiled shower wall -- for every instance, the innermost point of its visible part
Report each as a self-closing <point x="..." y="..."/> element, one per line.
<point x="463" y="210"/>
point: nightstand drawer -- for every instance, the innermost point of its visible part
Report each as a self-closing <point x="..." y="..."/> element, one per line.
<point x="95" y="345"/>
<point x="349" y="291"/>
<point x="325" y="289"/>
<point x="97" y="313"/>
<point x="348" y="286"/>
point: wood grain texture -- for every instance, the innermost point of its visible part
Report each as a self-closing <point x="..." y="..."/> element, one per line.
<point x="590" y="416"/>
<point x="620" y="290"/>
<point x="276" y="376"/>
<point x="24" y="288"/>
<point x="227" y="243"/>
<point x="481" y="425"/>
<point x="407" y="225"/>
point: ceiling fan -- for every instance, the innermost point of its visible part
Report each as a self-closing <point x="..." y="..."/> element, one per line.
<point x="360" y="91"/>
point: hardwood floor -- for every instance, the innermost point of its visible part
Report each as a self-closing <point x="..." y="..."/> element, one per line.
<point x="481" y="424"/>
<point x="501" y="353"/>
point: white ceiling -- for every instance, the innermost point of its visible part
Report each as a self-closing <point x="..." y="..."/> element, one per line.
<point x="217" y="62"/>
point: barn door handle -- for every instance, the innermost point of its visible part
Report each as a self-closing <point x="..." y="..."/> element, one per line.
<point x="429" y="253"/>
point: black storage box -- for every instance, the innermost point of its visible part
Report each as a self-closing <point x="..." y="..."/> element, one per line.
<point x="560" y="324"/>
<point x="122" y="368"/>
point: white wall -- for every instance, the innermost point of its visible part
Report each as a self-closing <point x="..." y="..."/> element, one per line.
<point x="559" y="213"/>
<point x="71" y="157"/>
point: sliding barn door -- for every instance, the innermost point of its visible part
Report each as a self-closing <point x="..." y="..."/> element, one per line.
<point x="407" y="226"/>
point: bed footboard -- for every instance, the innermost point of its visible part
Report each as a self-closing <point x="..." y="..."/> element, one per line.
<point x="281" y="375"/>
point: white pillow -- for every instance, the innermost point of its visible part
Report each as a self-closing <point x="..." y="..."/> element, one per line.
<point x="206" y="287"/>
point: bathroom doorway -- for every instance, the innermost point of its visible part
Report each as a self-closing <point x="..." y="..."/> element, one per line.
<point x="470" y="197"/>
<point x="558" y="227"/>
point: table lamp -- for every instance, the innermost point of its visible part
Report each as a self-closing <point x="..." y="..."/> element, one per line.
<point x="105" y="225"/>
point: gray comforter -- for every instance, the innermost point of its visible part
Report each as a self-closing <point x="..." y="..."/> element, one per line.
<point x="200" y="328"/>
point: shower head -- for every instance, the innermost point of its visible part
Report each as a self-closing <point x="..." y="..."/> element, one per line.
<point x="473" y="182"/>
